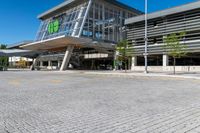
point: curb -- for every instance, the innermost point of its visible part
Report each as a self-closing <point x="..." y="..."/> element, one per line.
<point x="134" y="74"/>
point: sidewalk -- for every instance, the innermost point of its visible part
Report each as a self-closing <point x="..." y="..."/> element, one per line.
<point x="123" y="73"/>
<point x="132" y="73"/>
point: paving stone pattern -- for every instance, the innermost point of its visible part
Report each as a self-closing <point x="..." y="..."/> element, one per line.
<point x="55" y="102"/>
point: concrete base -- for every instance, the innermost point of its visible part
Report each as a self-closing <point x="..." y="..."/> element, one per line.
<point x="168" y="68"/>
<point x="52" y="68"/>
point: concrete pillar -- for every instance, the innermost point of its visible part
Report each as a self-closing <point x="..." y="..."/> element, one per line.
<point x="165" y="60"/>
<point x="115" y="61"/>
<point x="134" y="62"/>
<point x="66" y="58"/>
<point x="41" y="63"/>
<point x="59" y="63"/>
<point x="11" y="61"/>
<point x="49" y="63"/>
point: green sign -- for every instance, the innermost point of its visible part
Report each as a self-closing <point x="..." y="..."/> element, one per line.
<point x="53" y="27"/>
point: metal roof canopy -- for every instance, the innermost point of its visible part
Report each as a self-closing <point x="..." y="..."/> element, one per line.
<point x="18" y="44"/>
<point x="61" y="7"/>
<point x="18" y="52"/>
<point x="64" y="41"/>
<point x="162" y="13"/>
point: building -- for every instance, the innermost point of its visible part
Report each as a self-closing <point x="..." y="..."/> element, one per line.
<point x="173" y="20"/>
<point x="18" y="58"/>
<point x="81" y="33"/>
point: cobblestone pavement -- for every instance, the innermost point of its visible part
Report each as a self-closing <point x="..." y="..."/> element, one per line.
<point x="54" y="102"/>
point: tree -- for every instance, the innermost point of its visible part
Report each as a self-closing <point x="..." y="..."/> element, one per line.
<point x="125" y="52"/>
<point x="174" y="47"/>
<point x="3" y="46"/>
<point x="3" y="60"/>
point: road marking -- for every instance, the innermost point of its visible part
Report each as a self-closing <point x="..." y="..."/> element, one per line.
<point x="56" y="81"/>
<point x="196" y="81"/>
<point x="15" y="82"/>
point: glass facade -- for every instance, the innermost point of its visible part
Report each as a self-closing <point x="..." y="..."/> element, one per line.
<point x="69" y="23"/>
<point x="103" y="22"/>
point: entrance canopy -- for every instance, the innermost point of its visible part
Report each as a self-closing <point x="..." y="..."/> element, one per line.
<point x="64" y="41"/>
<point x="18" y="52"/>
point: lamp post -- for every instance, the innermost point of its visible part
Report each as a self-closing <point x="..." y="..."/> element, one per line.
<point x="146" y="38"/>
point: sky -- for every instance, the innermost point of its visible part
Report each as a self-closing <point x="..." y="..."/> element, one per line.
<point x="18" y="18"/>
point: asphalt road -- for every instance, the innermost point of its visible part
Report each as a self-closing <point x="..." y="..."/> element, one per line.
<point x="56" y="102"/>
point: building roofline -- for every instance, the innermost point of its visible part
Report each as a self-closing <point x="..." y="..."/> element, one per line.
<point x="122" y="5"/>
<point x="50" y="11"/>
<point x="18" y="44"/>
<point x="68" y="2"/>
<point x="162" y="13"/>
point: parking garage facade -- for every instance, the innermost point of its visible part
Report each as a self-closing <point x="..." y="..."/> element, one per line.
<point x="185" y="18"/>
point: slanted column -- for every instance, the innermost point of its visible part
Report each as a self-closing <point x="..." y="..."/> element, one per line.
<point x="134" y="62"/>
<point x="34" y="64"/>
<point x="165" y="60"/>
<point x="66" y="58"/>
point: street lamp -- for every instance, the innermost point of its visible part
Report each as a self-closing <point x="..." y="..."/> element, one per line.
<point x="146" y="38"/>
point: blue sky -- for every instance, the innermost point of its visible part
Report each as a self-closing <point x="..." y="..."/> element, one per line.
<point x="18" y="17"/>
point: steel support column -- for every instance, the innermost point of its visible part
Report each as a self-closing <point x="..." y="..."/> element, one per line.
<point x="146" y="37"/>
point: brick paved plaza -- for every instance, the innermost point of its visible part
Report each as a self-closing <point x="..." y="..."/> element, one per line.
<point x="55" y="102"/>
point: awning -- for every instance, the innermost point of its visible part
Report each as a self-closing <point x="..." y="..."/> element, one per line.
<point x="18" y="52"/>
<point x="64" y="41"/>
